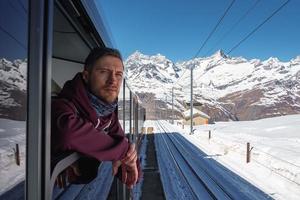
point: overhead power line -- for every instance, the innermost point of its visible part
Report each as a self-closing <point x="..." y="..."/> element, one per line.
<point x="256" y="28"/>
<point x="22" y="6"/>
<point x="208" y="37"/>
<point x="234" y="26"/>
<point x="22" y="16"/>
<point x="215" y="28"/>
<point x="13" y="37"/>
<point x="17" y="11"/>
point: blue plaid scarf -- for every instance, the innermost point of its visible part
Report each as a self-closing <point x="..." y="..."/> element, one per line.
<point x="102" y="109"/>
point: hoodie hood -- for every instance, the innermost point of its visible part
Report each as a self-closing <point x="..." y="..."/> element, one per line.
<point x="75" y="90"/>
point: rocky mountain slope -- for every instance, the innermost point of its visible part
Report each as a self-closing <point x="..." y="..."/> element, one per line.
<point x="13" y="76"/>
<point x="230" y="88"/>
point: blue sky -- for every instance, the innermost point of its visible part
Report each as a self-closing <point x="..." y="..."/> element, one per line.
<point x="14" y="24"/>
<point x="177" y="28"/>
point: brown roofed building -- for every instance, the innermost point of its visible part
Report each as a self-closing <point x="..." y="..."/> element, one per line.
<point x="199" y="118"/>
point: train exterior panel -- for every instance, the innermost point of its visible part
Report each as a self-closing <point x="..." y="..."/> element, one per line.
<point x="53" y="37"/>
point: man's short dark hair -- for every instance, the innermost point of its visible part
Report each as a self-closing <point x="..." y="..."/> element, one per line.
<point x="99" y="52"/>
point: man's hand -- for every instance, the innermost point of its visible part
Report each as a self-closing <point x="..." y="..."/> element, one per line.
<point x="128" y="167"/>
<point x="131" y="156"/>
<point x="132" y="175"/>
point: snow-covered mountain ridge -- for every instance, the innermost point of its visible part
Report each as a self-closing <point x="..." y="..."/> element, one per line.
<point x="156" y="67"/>
<point x="13" y="85"/>
<point x="229" y="87"/>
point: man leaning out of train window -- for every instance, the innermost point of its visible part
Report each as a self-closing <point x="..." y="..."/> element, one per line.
<point x="85" y="120"/>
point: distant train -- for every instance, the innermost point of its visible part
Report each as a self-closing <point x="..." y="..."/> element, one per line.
<point x="61" y="33"/>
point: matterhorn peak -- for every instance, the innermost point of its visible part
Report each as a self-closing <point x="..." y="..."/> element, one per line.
<point x="219" y="54"/>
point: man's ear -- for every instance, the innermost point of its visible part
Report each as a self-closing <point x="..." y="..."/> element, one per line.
<point x="85" y="75"/>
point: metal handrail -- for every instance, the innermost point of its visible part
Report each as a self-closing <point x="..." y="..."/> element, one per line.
<point x="61" y="166"/>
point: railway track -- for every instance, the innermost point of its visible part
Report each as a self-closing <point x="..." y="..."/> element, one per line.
<point x="199" y="184"/>
<point x="203" y="175"/>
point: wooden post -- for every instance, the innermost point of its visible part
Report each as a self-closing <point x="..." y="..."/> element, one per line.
<point x="17" y="154"/>
<point x="248" y="153"/>
<point x="209" y="134"/>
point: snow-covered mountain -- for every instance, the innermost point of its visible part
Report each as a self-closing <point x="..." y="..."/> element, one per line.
<point x="149" y="75"/>
<point x="152" y="71"/>
<point x="13" y="76"/>
<point x="230" y="88"/>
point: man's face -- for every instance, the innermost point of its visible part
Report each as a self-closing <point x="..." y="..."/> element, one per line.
<point x="105" y="78"/>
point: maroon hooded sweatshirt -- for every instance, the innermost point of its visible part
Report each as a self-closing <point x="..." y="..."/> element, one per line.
<point x="76" y="126"/>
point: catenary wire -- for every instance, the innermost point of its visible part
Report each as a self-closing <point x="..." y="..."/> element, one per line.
<point x="13" y="37"/>
<point x="215" y="28"/>
<point x="234" y="26"/>
<point x="252" y="32"/>
<point x="22" y="6"/>
<point x="17" y="10"/>
<point x="209" y="36"/>
<point x="256" y="28"/>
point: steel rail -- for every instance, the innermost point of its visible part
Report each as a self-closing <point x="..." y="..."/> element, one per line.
<point x="219" y="188"/>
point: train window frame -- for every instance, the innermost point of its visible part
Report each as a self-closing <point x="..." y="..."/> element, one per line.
<point x="13" y="87"/>
<point x="38" y="130"/>
<point x="38" y="183"/>
<point x="39" y="99"/>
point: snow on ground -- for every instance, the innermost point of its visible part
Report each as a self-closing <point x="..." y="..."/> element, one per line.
<point x="11" y="133"/>
<point x="275" y="157"/>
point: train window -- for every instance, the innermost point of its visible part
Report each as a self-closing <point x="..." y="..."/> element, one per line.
<point x="127" y="117"/>
<point x="141" y="116"/>
<point x="121" y="105"/>
<point x="13" y="93"/>
<point x="67" y="42"/>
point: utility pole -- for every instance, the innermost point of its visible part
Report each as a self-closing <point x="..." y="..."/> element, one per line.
<point x="155" y="116"/>
<point x="172" y="105"/>
<point x="191" y="101"/>
<point x="166" y="113"/>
